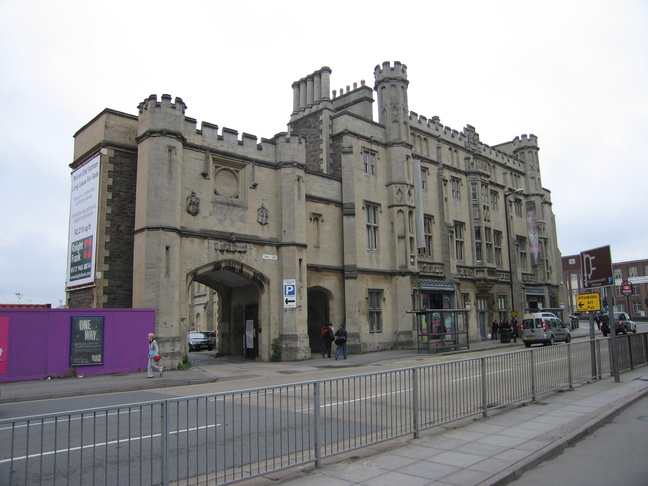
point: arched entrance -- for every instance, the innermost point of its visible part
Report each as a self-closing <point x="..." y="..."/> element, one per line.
<point x="318" y="314"/>
<point x="238" y="319"/>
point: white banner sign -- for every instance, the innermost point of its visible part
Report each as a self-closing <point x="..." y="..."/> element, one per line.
<point x="84" y="200"/>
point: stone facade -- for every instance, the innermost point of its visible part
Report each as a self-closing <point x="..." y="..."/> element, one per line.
<point x="370" y="219"/>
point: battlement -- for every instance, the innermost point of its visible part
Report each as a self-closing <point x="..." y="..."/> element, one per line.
<point x="387" y="72"/>
<point x="525" y="141"/>
<point x="151" y="103"/>
<point x="436" y="130"/>
<point x="168" y="118"/>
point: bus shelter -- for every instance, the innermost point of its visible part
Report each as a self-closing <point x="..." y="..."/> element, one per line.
<point x="441" y="330"/>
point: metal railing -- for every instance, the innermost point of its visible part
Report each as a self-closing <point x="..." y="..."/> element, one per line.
<point x="228" y="437"/>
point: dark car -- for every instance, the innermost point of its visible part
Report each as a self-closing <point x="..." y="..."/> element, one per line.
<point x="622" y="323"/>
<point x="198" y="340"/>
<point x="211" y="335"/>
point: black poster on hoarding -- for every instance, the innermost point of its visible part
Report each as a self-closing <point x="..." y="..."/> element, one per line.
<point x="87" y="337"/>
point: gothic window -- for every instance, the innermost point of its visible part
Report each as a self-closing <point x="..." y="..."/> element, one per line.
<point x="375" y="310"/>
<point x="497" y="242"/>
<point x="456" y="189"/>
<point x="522" y="253"/>
<point x="517" y="206"/>
<point x="428" y="221"/>
<point x="372" y="225"/>
<point x="460" y="229"/>
<point x="369" y="163"/>
<point x="488" y="237"/>
<point x="494" y="200"/>
<point x="478" y="244"/>
<point x="316" y="219"/>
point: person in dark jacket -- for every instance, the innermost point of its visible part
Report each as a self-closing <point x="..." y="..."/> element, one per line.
<point x="494" y="329"/>
<point x="327" y="339"/>
<point x="341" y="342"/>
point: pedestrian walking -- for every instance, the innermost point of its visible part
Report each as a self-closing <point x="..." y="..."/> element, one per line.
<point x="514" y="329"/>
<point x="341" y="342"/>
<point x="494" y="329"/>
<point x="327" y="339"/>
<point x="154" y="351"/>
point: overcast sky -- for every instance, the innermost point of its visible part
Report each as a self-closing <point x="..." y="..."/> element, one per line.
<point x="574" y="73"/>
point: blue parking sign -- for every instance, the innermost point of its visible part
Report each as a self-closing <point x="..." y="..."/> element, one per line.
<point x="290" y="293"/>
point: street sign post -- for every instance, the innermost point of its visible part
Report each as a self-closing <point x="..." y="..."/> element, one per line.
<point x="596" y="268"/>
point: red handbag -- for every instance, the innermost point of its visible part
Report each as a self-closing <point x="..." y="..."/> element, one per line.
<point x="157" y="358"/>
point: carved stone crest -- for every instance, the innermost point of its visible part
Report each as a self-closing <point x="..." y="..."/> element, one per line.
<point x="262" y="215"/>
<point x="193" y="204"/>
<point x="472" y="138"/>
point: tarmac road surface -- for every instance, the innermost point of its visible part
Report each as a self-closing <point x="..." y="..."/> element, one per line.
<point x="614" y="454"/>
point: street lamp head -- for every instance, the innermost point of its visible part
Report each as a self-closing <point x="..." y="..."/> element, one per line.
<point x="517" y="191"/>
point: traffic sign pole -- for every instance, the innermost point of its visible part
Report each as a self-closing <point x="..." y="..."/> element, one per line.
<point x="613" y="345"/>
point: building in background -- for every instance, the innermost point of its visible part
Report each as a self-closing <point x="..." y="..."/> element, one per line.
<point x="631" y="273"/>
<point x="344" y="218"/>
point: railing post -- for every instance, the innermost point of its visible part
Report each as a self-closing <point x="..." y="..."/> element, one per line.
<point x="165" y="442"/>
<point x="483" y="386"/>
<point x="570" y="372"/>
<point x="317" y="393"/>
<point x="533" y="374"/>
<point x="598" y="359"/>
<point x="415" y="402"/>
<point x="630" y="351"/>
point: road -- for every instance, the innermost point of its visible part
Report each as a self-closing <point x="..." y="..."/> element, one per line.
<point x="614" y="454"/>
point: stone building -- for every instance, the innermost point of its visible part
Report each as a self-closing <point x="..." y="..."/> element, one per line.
<point x="343" y="218"/>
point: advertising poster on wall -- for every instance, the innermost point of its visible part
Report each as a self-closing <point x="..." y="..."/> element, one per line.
<point x="87" y="339"/>
<point x="84" y="200"/>
<point x="534" y="233"/>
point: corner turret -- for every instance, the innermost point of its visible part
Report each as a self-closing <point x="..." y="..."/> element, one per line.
<point x="393" y="112"/>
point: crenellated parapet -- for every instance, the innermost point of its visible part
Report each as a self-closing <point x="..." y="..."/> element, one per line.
<point x="165" y="117"/>
<point x="387" y="72"/>
<point x="163" y="114"/>
<point x="468" y="138"/>
<point x="525" y="141"/>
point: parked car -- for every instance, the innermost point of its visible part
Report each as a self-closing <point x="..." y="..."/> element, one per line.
<point x="543" y="328"/>
<point x="622" y="323"/>
<point x="198" y="340"/>
<point x="211" y="335"/>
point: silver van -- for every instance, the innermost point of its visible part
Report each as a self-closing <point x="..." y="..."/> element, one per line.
<point x="543" y="327"/>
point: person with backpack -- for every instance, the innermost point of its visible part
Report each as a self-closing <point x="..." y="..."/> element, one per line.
<point x="327" y="339"/>
<point x="341" y="342"/>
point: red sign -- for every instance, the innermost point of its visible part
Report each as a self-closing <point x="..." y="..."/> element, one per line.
<point x="4" y="343"/>
<point x="626" y="288"/>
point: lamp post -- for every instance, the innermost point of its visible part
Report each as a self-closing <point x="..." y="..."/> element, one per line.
<point x="508" y="239"/>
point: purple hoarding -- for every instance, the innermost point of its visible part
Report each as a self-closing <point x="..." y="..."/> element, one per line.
<point x="40" y="342"/>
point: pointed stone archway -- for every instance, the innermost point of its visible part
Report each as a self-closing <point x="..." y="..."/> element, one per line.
<point x="242" y="306"/>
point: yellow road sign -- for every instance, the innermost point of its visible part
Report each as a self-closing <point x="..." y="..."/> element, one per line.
<point x="588" y="302"/>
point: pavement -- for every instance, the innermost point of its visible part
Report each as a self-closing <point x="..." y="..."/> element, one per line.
<point x="490" y="450"/>
<point x="207" y="368"/>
